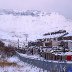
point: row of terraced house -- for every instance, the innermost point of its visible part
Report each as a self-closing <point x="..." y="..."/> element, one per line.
<point x="63" y="39"/>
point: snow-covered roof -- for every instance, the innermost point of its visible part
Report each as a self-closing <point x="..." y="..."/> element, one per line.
<point x="62" y="53"/>
<point x="54" y="35"/>
<point x="51" y="36"/>
<point x="67" y="40"/>
<point x="70" y="34"/>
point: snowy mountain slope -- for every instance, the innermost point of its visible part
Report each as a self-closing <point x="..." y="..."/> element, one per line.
<point x="22" y="13"/>
<point x="14" y="26"/>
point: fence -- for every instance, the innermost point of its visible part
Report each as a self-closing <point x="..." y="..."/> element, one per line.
<point x="46" y="65"/>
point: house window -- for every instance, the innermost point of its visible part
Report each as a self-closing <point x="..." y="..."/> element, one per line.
<point x="55" y="39"/>
<point x="44" y="39"/>
<point x="48" y="44"/>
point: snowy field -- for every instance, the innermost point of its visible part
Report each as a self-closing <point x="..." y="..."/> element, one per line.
<point x="21" y="66"/>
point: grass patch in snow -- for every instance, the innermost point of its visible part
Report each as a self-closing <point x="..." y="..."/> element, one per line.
<point x="5" y="63"/>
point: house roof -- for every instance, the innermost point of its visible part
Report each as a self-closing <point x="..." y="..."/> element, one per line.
<point x="51" y="36"/>
<point x="70" y="34"/>
<point x="62" y="53"/>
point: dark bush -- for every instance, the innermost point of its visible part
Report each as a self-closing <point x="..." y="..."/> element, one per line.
<point x="9" y="51"/>
<point x="1" y="44"/>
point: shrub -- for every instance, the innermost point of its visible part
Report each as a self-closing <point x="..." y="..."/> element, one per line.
<point x="1" y="44"/>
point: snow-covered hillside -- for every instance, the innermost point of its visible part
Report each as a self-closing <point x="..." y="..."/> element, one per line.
<point x="14" y="24"/>
<point x="20" y="67"/>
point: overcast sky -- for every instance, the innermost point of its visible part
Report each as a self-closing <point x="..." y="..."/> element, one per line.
<point x="61" y="6"/>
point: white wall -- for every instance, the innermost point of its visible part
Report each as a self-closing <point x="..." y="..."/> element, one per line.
<point x="70" y="45"/>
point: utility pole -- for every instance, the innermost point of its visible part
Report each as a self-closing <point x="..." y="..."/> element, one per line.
<point x="18" y="43"/>
<point x="26" y="36"/>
